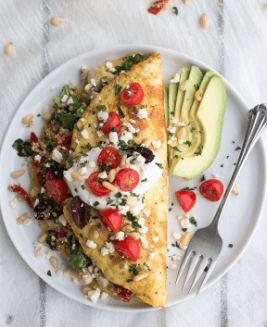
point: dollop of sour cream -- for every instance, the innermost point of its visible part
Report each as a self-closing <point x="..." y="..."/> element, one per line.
<point x="148" y="176"/>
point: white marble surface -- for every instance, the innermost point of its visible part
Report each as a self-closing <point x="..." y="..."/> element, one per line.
<point x="235" y="44"/>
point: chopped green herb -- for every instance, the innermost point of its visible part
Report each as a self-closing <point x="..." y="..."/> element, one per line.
<point x="176" y="244"/>
<point x="176" y="149"/>
<point x="203" y="178"/>
<point x="144" y="180"/>
<point x="76" y="127"/>
<point x="192" y="221"/>
<point x="83" y="154"/>
<point x="96" y="203"/>
<point x="188" y="143"/>
<point x="135" y="269"/>
<point x="118" y="88"/>
<point x="237" y="148"/>
<point x="192" y="129"/>
<point x="76" y="190"/>
<point x="111" y="256"/>
<point x="184" y="229"/>
<point x="147" y="266"/>
<point x="159" y="165"/>
<point x="129" y="280"/>
<point x="101" y="107"/>
<point x="51" y="145"/>
<point x="121" y="113"/>
<point x="175" y="10"/>
<point x="131" y="60"/>
<point x="127" y="230"/>
<point x="23" y="148"/>
<point x="230" y="245"/>
<point x="206" y="269"/>
<point x="70" y="161"/>
<point x="118" y="195"/>
<point x="49" y="273"/>
<point x="83" y="187"/>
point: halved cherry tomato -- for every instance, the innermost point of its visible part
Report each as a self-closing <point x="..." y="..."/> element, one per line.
<point x="128" y="248"/>
<point x="110" y="157"/>
<point x="111" y="218"/>
<point x="124" y="294"/>
<point x="127" y="179"/>
<point x="95" y="187"/>
<point x="212" y="189"/>
<point x="113" y="121"/>
<point x="57" y="189"/>
<point x="132" y="94"/>
<point x="24" y="194"/>
<point x="186" y="199"/>
<point x="63" y="139"/>
<point x="157" y="6"/>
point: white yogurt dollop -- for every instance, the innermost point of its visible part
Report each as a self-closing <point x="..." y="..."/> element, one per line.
<point x="148" y="176"/>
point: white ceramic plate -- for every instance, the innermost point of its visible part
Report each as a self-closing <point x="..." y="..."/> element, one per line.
<point x="241" y="215"/>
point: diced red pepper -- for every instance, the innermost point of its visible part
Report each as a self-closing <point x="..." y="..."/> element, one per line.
<point x="157" y="6"/>
<point x="124" y="294"/>
<point x="24" y="194"/>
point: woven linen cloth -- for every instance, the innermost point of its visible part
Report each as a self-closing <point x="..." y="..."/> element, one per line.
<point x="235" y="44"/>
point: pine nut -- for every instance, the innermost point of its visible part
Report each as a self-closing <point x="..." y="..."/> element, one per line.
<point x="235" y="190"/>
<point x="123" y="160"/>
<point x="146" y="143"/>
<point x="57" y="21"/>
<point x="9" y="49"/>
<point x="129" y="227"/>
<point x="76" y="176"/>
<point x="54" y="262"/>
<point x="46" y="116"/>
<point x="140" y="277"/>
<point x="86" y="289"/>
<point x="199" y="95"/>
<point x="220" y="4"/>
<point x="27" y="120"/>
<point x="110" y="186"/>
<point x="21" y="218"/>
<point x="181" y="132"/>
<point x="187" y="179"/>
<point x="183" y="86"/>
<point x="135" y="235"/>
<point x="87" y="279"/>
<point x="95" y="234"/>
<point x="87" y="88"/>
<point x="18" y="173"/>
<point x="42" y="238"/>
<point x="186" y="1"/>
<point x="132" y="202"/>
<point x="184" y="241"/>
<point x="112" y="175"/>
<point x="204" y="21"/>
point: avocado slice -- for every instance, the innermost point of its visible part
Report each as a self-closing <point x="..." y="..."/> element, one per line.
<point x="166" y="105"/>
<point x="210" y="113"/>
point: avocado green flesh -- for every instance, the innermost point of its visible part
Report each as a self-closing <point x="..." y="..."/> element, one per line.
<point x="166" y="105"/>
<point x="210" y="113"/>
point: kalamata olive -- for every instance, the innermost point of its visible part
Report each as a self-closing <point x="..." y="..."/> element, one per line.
<point x="80" y="212"/>
<point x="145" y="152"/>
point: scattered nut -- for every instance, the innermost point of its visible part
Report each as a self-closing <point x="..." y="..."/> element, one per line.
<point x="187" y="179"/>
<point x="184" y="241"/>
<point x="186" y="1"/>
<point x="43" y="238"/>
<point x="265" y="6"/>
<point x="110" y="186"/>
<point x="183" y="85"/>
<point x="9" y="49"/>
<point x="95" y="234"/>
<point x="86" y="289"/>
<point x="27" y="120"/>
<point x="18" y="173"/>
<point x="54" y="262"/>
<point x="235" y="190"/>
<point x="57" y="21"/>
<point x="128" y="227"/>
<point x="123" y="160"/>
<point x="111" y="175"/>
<point x="220" y="4"/>
<point x="21" y="218"/>
<point x="140" y="277"/>
<point x="77" y="177"/>
<point x="199" y="94"/>
<point x="181" y="132"/>
<point x="132" y="202"/>
<point x="204" y="21"/>
<point x="135" y="235"/>
<point x="46" y="117"/>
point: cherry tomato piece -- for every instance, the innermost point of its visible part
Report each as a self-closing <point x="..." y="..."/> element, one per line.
<point x="157" y="6"/>
<point x="113" y="121"/>
<point x="63" y="139"/>
<point x="212" y="189"/>
<point x="95" y="186"/>
<point x="128" y="248"/>
<point x="57" y="189"/>
<point x="109" y="157"/>
<point x="132" y="94"/>
<point x="24" y="194"/>
<point x="186" y="199"/>
<point x="124" y="294"/>
<point x="127" y="179"/>
<point x="112" y="219"/>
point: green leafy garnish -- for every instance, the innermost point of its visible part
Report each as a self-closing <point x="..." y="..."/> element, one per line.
<point x="176" y="149"/>
<point x="121" y="113"/>
<point x="147" y="266"/>
<point x="23" y="148"/>
<point x="193" y="221"/>
<point x="188" y="143"/>
<point x="118" y="88"/>
<point x="49" y="273"/>
<point x="203" y="178"/>
<point x="101" y="107"/>
<point x="70" y="161"/>
<point x="237" y="148"/>
<point x="77" y="259"/>
<point x="49" y="240"/>
<point x="175" y="10"/>
<point x="135" y="269"/>
<point x="184" y="229"/>
<point x="131" y="60"/>
<point x="51" y="145"/>
<point x="159" y="165"/>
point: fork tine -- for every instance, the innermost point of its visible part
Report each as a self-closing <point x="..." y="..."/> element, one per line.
<point x="200" y="269"/>
<point x="181" y="269"/>
<point x="192" y="267"/>
<point x="212" y="265"/>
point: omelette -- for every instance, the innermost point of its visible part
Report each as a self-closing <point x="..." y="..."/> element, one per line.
<point x="140" y="139"/>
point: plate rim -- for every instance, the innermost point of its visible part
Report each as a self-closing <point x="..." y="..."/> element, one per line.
<point x="139" y="47"/>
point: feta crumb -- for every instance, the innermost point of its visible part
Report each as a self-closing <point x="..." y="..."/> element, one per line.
<point x="102" y="115"/>
<point x="146" y="212"/>
<point x="91" y="244"/>
<point x="70" y="101"/>
<point x="93" y="81"/>
<point x="176" y="78"/>
<point x="155" y="239"/>
<point x="156" y="144"/>
<point x="57" y="156"/>
<point x="171" y="129"/>
<point x="27" y="221"/>
<point x="37" y="158"/>
<point x="62" y="220"/>
<point x="103" y="175"/>
<point x="113" y="137"/>
<point x="124" y="209"/>
<point x="36" y="202"/>
<point x="87" y="87"/>
<point x="119" y="236"/>
<point x="184" y="223"/>
<point x="143" y="229"/>
<point x="59" y="272"/>
<point x="214" y="175"/>
<point x="144" y="241"/>
<point x="92" y="164"/>
<point x="42" y="190"/>
<point x="94" y="295"/>
<point x="126" y="136"/>
<point x="99" y="133"/>
<point x="173" y="266"/>
<point x="84" y="134"/>
<point x="141" y="221"/>
<point x="82" y="120"/>
<point x="152" y="255"/>
<point x="132" y="121"/>
<point x="180" y="123"/>
<point x="104" y="295"/>
<point x="108" y="248"/>
<point x="83" y="171"/>
<point x="142" y="114"/>
<point x="109" y="64"/>
<point x="64" y="98"/>
<point x="126" y="266"/>
<point x="176" y="236"/>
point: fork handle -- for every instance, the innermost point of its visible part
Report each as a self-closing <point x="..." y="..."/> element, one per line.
<point x="256" y="124"/>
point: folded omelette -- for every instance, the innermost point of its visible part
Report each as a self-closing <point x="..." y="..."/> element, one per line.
<point x="143" y="125"/>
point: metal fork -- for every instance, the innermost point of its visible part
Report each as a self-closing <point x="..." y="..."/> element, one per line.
<point x="206" y="245"/>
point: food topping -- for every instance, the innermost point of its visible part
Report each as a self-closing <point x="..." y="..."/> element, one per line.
<point x="112" y="124"/>
<point x="132" y="94"/>
<point x="157" y="6"/>
<point x="80" y="212"/>
<point x="186" y="199"/>
<point x="127" y="179"/>
<point x="109" y="157"/>
<point x="22" y="193"/>
<point x="123" y="293"/>
<point x="112" y="219"/>
<point x="211" y="189"/>
<point x="129" y="248"/>
<point x="57" y="189"/>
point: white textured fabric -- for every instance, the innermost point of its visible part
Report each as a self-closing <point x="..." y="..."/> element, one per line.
<point x="235" y="44"/>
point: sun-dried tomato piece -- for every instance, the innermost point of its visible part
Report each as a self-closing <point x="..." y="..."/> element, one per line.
<point x="24" y="194"/>
<point x="124" y="294"/>
<point x="157" y="6"/>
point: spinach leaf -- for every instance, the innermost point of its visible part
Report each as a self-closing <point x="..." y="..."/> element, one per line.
<point x="23" y="148"/>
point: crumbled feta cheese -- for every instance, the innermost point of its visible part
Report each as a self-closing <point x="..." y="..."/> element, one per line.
<point x="142" y="114"/>
<point x="146" y="212"/>
<point x="47" y="165"/>
<point x="37" y="158"/>
<point x="113" y="137"/>
<point x="92" y="164"/>
<point x="103" y="175"/>
<point x="57" y="156"/>
<point x="104" y="251"/>
<point x="104" y="295"/>
<point x="91" y="244"/>
<point x="108" y="248"/>
<point x="152" y="255"/>
<point x="109" y="64"/>
<point x="59" y="272"/>
<point x="62" y="220"/>
<point x="173" y="266"/>
<point x="102" y="115"/>
<point x="82" y="120"/>
<point x="156" y="144"/>
<point x="36" y="202"/>
<point x="93" y="81"/>
<point x="144" y="241"/>
<point x="126" y="266"/>
<point x="87" y="87"/>
<point x="214" y="175"/>
<point x="176" y="236"/>
<point x="84" y="134"/>
<point x="99" y="133"/>
<point x="180" y="123"/>
<point x="155" y="239"/>
<point x="141" y="221"/>
<point x="83" y="171"/>
<point x="123" y="210"/>
<point x="181" y="141"/>
<point x="70" y="101"/>
<point x="173" y="120"/>
<point x="64" y="98"/>
<point x="132" y="121"/>
<point x="176" y="78"/>
<point x="126" y="136"/>
<point x="102" y="281"/>
<point x="94" y="295"/>
<point x="143" y="229"/>
<point x="184" y="223"/>
<point x="171" y="129"/>
<point x="68" y="176"/>
<point x="42" y="190"/>
<point x="119" y="236"/>
<point x="140" y="160"/>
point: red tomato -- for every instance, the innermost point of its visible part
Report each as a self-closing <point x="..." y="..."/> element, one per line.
<point x="127" y="179"/>
<point x="63" y="139"/>
<point x="212" y="189"/>
<point x="128" y="248"/>
<point x="95" y="187"/>
<point x="113" y="121"/>
<point x="157" y="6"/>
<point x="111" y="218"/>
<point x="186" y="199"/>
<point x="133" y="94"/>
<point x="110" y="157"/>
<point x="57" y="189"/>
<point x="124" y="294"/>
<point x="24" y="194"/>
